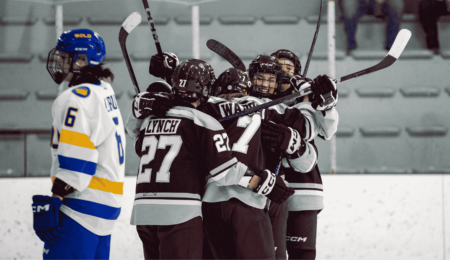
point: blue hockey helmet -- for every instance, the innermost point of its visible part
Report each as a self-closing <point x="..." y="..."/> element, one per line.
<point x="70" y="45"/>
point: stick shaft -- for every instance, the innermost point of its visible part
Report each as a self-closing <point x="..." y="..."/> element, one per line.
<point x="313" y="42"/>
<point x="123" y="34"/>
<point x="152" y="26"/>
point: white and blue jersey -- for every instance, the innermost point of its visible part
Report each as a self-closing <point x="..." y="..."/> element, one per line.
<point x="88" y="152"/>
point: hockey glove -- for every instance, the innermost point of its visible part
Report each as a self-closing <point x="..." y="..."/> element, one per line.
<point x="162" y="66"/>
<point x="299" y="82"/>
<point x="46" y="218"/>
<point x="155" y="103"/>
<point x="325" y="94"/>
<point x="281" y="137"/>
<point x="273" y="187"/>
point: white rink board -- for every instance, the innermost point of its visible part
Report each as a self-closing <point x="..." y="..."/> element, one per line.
<point x="365" y="217"/>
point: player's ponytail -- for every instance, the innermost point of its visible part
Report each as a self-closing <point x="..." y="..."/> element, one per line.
<point x="99" y="72"/>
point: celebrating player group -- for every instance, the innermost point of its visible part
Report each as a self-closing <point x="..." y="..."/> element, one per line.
<point x="209" y="185"/>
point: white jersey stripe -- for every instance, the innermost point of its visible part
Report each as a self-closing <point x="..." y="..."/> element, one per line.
<point x="306" y="185"/>
<point x="167" y="202"/>
<point x="309" y="192"/>
<point x="223" y="166"/>
<point x="168" y="195"/>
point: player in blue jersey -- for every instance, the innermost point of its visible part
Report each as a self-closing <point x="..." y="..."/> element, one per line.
<point x="88" y="152"/>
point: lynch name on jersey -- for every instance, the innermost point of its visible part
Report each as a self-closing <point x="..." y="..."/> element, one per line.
<point x="228" y="108"/>
<point x="162" y="126"/>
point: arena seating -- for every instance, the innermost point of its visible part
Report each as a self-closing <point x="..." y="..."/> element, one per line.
<point x="392" y="121"/>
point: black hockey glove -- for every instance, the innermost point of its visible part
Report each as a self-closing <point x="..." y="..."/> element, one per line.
<point x="325" y="95"/>
<point x="147" y="103"/>
<point x="273" y="187"/>
<point x="162" y="66"/>
<point x="281" y="137"/>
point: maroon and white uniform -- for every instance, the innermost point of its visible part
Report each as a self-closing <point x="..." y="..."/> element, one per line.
<point x="178" y="151"/>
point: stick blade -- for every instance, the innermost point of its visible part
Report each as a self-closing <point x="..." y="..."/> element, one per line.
<point x="226" y="53"/>
<point x="400" y="43"/>
<point x="132" y="21"/>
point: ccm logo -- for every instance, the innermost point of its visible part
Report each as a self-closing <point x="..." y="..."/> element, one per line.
<point x="296" y="239"/>
<point x="41" y="208"/>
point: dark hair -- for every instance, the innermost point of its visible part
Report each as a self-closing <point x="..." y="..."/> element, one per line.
<point x="98" y="71"/>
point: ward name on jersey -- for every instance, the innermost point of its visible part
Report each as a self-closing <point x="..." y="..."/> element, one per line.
<point x="87" y="127"/>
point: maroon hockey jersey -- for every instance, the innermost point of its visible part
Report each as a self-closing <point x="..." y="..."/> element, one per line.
<point x="177" y="152"/>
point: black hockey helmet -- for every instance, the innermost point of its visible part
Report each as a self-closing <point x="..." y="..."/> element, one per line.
<point x="231" y="81"/>
<point x="159" y="86"/>
<point x="193" y="79"/>
<point x="287" y="54"/>
<point x="264" y="64"/>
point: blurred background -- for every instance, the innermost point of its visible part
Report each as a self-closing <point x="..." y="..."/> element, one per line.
<point x="389" y="198"/>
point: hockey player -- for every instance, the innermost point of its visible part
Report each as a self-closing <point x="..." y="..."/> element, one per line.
<point x="167" y="208"/>
<point x="235" y="222"/>
<point x="244" y="134"/>
<point x="307" y="201"/>
<point x="291" y="69"/>
<point x="88" y="152"/>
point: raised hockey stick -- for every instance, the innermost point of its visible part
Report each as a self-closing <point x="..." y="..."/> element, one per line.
<point x="313" y="42"/>
<point x="225" y="53"/>
<point x="152" y="27"/>
<point x="132" y="21"/>
<point x="394" y="53"/>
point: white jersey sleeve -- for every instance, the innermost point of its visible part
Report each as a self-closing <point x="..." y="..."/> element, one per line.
<point x="318" y="123"/>
<point x="303" y="163"/>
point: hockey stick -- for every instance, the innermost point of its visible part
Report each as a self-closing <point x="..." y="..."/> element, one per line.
<point x="132" y="21"/>
<point x="394" y="53"/>
<point x="152" y="26"/>
<point x="313" y="42"/>
<point x="226" y="53"/>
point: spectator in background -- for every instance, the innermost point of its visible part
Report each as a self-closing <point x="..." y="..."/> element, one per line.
<point x="352" y="10"/>
<point x="429" y="12"/>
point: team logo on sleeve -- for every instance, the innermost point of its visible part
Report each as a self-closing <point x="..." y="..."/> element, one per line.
<point x="82" y="91"/>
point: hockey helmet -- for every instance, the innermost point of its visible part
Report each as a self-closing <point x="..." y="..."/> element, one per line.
<point x="287" y="54"/>
<point x="192" y="80"/>
<point x="264" y="64"/>
<point x="70" y="45"/>
<point x="231" y="81"/>
<point x="159" y="86"/>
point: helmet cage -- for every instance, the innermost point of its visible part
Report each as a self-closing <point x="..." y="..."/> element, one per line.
<point x="56" y="62"/>
<point x="287" y="54"/>
<point x="264" y="64"/>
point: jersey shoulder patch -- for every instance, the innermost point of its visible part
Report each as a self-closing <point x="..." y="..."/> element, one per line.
<point x="82" y="91"/>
